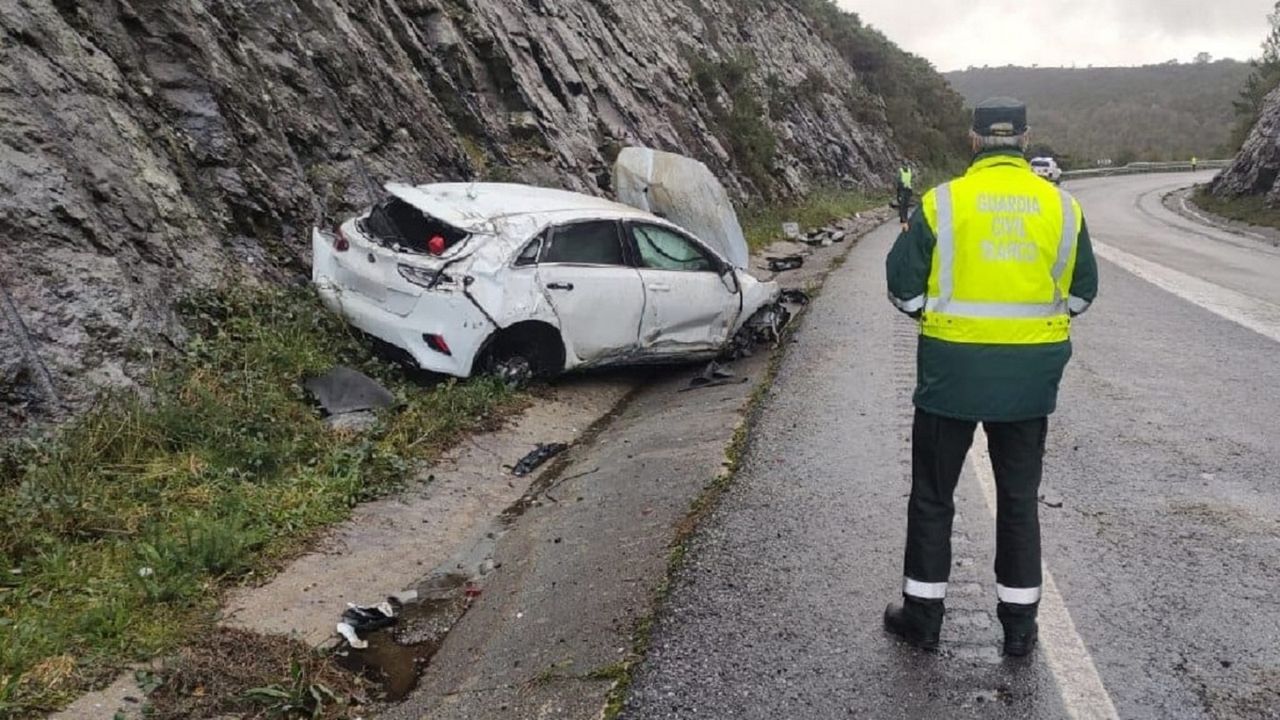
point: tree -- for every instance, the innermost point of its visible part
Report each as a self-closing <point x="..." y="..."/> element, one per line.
<point x="1264" y="79"/>
<point x="1203" y="58"/>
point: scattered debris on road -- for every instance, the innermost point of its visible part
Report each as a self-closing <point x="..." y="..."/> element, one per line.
<point x="1051" y="500"/>
<point x="535" y="459"/>
<point x="795" y="297"/>
<point x="396" y="654"/>
<point x="783" y="264"/>
<point x="825" y="237"/>
<point x="713" y="375"/>
<point x="363" y="619"/>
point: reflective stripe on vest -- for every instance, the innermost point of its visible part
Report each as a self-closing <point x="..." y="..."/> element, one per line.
<point x="970" y="320"/>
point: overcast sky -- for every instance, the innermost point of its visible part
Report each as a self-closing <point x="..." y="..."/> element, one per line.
<point x="955" y="34"/>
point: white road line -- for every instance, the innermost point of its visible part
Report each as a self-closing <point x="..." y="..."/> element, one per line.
<point x="1257" y="315"/>
<point x="1083" y="694"/>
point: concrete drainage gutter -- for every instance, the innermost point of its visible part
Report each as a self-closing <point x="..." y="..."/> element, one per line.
<point x="535" y="597"/>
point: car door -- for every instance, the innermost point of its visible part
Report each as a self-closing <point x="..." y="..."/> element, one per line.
<point x="596" y="294"/>
<point x="691" y="304"/>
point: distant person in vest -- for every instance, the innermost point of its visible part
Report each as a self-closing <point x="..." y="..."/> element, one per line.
<point x="993" y="266"/>
<point x="906" y="188"/>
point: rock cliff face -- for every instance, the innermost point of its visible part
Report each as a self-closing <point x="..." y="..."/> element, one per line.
<point x="152" y="147"/>
<point x="1256" y="170"/>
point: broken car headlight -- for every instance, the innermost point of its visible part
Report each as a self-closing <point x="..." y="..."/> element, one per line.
<point x="423" y="277"/>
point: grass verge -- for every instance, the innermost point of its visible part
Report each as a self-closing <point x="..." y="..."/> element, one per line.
<point x="121" y="529"/>
<point x="1252" y="210"/>
<point x="763" y="225"/>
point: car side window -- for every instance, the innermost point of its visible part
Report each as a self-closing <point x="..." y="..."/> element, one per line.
<point x="663" y="249"/>
<point x="529" y="256"/>
<point x="586" y="243"/>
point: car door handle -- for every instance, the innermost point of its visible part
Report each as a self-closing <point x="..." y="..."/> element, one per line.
<point x="657" y="287"/>
<point x="560" y="286"/>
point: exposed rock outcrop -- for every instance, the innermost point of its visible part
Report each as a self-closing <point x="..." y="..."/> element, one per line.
<point x="153" y="147"/>
<point x="1256" y="170"/>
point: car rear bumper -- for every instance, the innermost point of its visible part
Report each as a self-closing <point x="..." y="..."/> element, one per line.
<point x="446" y="313"/>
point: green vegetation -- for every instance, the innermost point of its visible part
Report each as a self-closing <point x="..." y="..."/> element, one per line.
<point x="1158" y="112"/>
<point x="1251" y="209"/>
<point x="1264" y="78"/>
<point x="895" y="88"/>
<point x="743" y="122"/>
<point x="928" y="118"/>
<point x="121" y="529"/>
<point x="763" y="224"/>
<point x="236" y="673"/>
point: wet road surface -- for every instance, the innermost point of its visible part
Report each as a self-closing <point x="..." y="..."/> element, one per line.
<point x="1165" y="553"/>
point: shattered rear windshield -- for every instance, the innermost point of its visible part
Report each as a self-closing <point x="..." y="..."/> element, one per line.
<point x="399" y="225"/>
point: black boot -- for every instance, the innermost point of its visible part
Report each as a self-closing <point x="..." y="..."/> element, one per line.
<point x="1020" y="628"/>
<point x="919" y="622"/>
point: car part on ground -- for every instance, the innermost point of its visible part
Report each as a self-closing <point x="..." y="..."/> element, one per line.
<point x="343" y="390"/>
<point x="795" y="297"/>
<point x="537" y="457"/>
<point x="783" y="264"/>
<point x="713" y="375"/>
<point x="360" y="619"/>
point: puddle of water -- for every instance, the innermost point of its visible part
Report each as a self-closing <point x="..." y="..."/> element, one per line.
<point x="397" y="655"/>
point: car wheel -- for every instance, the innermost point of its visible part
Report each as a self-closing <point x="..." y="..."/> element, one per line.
<point x="523" y="353"/>
<point x="515" y="370"/>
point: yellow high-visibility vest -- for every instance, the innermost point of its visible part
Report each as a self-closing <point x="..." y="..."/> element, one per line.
<point x="905" y="177"/>
<point x="1005" y="256"/>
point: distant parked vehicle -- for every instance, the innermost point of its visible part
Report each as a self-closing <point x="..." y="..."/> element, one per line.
<point x="1047" y="168"/>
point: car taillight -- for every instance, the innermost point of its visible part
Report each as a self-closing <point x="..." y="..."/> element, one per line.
<point x="422" y="277"/>
<point x="437" y="343"/>
<point x="340" y="242"/>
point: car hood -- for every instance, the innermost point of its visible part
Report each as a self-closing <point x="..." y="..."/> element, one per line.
<point x="682" y="191"/>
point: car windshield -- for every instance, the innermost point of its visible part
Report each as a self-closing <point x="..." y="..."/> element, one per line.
<point x="1039" y="163"/>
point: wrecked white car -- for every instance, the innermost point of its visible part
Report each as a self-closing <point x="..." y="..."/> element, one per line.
<point x="523" y="281"/>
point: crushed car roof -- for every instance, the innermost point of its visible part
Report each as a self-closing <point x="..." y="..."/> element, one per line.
<point x="474" y="206"/>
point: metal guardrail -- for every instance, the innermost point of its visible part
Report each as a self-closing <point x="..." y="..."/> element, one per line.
<point x="1144" y="168"/>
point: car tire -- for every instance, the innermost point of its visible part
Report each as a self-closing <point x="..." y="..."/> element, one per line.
<point x="522" y="354"/>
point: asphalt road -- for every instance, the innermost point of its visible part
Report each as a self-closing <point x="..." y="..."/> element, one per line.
<point x="1165" y="554"/>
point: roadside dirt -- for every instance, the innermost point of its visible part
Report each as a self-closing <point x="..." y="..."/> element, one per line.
<point x="1181" y="202"/>
<point x="563" y="563"/>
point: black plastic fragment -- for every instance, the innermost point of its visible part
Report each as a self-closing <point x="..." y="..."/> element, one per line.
<point x="535" y="459"/>
<point x="343" y="390"/>
<point x="795" y="297"/>
<point x="783" y="264"/>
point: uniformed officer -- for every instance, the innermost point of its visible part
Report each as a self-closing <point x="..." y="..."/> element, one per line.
<point x="993" y="266"/>
<point x="906" y="188"/>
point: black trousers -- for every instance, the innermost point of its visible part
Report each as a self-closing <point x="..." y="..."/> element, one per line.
<point x="939" y="447"/>
<point x="904" y="204"/>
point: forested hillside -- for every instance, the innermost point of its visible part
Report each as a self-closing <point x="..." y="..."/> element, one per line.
<point x="1157" y="112"/>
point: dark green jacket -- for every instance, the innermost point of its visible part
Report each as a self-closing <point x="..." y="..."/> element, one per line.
<point x="997" y="383"/>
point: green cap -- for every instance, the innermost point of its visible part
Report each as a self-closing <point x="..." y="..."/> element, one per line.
<point x="1000" y="117"/>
